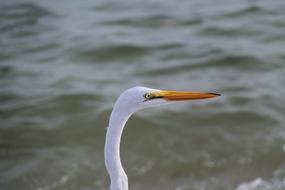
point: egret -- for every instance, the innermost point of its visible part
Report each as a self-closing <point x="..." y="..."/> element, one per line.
<point x="130" y="101"/>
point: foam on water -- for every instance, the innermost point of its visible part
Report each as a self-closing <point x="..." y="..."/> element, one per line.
<point x="260" y="184"/>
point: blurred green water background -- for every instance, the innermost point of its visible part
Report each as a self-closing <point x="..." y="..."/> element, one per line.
<point x="63" y="63"/>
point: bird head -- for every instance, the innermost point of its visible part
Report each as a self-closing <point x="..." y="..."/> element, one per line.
<point x="137" y="98"/>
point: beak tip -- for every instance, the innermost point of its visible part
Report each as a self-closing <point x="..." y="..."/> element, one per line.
<point x="216" y="94"/>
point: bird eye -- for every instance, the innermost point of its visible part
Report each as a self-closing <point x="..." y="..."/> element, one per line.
<point x="147" y="96"/>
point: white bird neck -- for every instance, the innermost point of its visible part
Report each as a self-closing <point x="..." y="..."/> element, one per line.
<point x="119" y="179"/>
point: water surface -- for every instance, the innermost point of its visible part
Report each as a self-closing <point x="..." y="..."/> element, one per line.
<point x="63" y="63"/>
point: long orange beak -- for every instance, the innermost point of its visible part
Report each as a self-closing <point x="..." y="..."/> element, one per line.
<point x="181" y="95"/>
